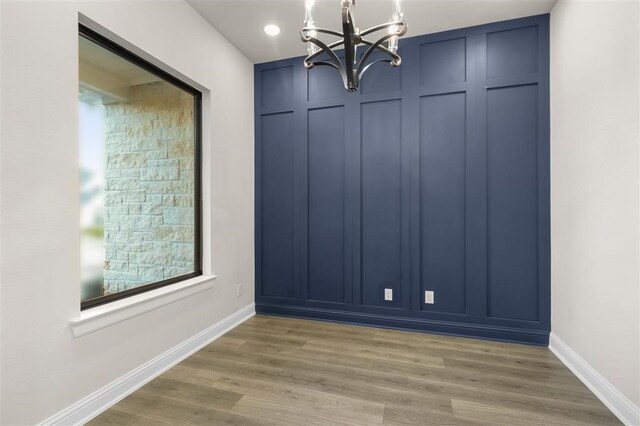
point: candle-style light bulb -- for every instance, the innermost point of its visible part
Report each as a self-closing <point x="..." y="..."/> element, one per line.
<point x="395" y="17"/>
<point x="308" y="10"/>
<point x="311" y="47"/>
<point x="309" y="23"/>
<point x="397" y="8"/>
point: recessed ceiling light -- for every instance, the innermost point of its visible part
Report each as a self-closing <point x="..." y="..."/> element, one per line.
<point x="272" y="30"/>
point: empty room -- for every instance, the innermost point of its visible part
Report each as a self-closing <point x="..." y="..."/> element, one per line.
<point x="328" y="212"/>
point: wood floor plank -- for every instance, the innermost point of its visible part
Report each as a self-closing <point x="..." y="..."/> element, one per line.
<point x="190" y="374"/>
<point x="588" y="411"/>
<point x="402" y="415"/>
<point x="285" y="414"/>
<point x="168" y="411"/>
<point x="505" y="416"/>
<point x="325" y="405"/>
<point x="273" y="370"/>
<point x="182" y="391"/>
<point x="115" y="417"/>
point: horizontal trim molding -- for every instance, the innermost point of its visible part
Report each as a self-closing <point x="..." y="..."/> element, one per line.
<point x="102" y="316"/>
<point x="620" y="405"/>
<point x="94" y="404"/>
<point x="488" y="332"/>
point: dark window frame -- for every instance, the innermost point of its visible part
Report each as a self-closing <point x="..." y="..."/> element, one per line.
<point x="113" y="47"/>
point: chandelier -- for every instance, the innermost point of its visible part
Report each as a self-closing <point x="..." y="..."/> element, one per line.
<point x="352" y="69"/>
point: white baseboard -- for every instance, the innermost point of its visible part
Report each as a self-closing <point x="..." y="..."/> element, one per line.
<point x="94" y="404"/>
<point x="620" y="405"/>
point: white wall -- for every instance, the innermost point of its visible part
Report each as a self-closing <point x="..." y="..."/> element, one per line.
<point x="595" y="184"/>
<point x="44" y="368"/>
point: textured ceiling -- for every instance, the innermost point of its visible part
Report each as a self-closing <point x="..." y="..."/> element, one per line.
<point x="242" y="21"/>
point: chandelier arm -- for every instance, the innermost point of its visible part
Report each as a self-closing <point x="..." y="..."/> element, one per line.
<point x="320" y="52"/>
<point x="396" y="59"/>
<point x="371" y="63"/>
<point x="377" y="46"/>
<point x="348" y="31"/>
<point x="326" y="49"/>
<point x="339" y="68"/>
<point x="321" y="30"/>
<point x="402" y="28"/>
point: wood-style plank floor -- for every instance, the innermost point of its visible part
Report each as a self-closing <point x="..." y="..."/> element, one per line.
<point x="283" y="371"/>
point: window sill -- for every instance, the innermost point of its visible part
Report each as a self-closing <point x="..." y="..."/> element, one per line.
<point x="102" y="316"/>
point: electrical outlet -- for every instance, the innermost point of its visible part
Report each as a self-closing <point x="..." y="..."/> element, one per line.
<point x="429" y="297"/>
<point x="238" y="290"/>
<point x="388" y="294"/>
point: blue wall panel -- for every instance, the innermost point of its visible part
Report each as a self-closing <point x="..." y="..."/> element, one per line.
<point x="512" y="52"/>
<point x="433" y="176"/>
<point x="442" y="197"/>
<point x="381" y="209"/>
<point x="381" y="78"/>
<point x="327" y="204"/>
<point x="324" y="83"/>
<point x="443" y="61"/>
<point x="512" y="225"/>
<point x="277" y="205"/>
<point x="276" y="86"/>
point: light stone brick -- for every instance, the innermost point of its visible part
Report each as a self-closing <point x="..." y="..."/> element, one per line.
<point x="156" y="220"/>
<point x="122" y="255"/>
<point x="168" y="200"/>
<point x="119" y="184"/>
<point x="133" y="196"/>
<point x="145" y="144"/>
<point x="166" y="187"/>
<point x="111" y="226"/>
<point x="131" y="274"/>
<point x="180" y="148"/>
<point x="151" y="273"/>
<point x="151" y="209"/>
<point x="129" y="160"/>
<point x="154" y="199"/>
<point x="112" y="198"/>
<point x="152" y="258"/>
<point x="117" y="210"/>
<point x="130" y="173"/>
<point x="182" y="252"/>
<point x="178" y="215"/>
<point x="155" y="154"/>
<point x="160" y="173"/>
<point x="182" y="200"/>
<point x="173" y="233"/>
<point x="117" y="265"/>
<point x="186" y="164"/>
<point x="176" y="271"/>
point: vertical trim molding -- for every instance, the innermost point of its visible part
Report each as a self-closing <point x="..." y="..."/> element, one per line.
<point x="97" y="402"/>
<point x="620" y="405"/>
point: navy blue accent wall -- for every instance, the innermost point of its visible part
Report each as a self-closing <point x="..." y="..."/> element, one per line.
<point x="433" y="177"/>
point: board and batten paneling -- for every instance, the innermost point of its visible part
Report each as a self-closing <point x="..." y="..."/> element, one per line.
<point x="327" y="204"/>
<point x="432" y="177"/>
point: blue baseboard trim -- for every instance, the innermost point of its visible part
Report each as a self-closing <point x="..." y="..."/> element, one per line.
<point x="478" y="331"/>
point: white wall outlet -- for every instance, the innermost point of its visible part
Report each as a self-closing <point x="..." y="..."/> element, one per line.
<point x="388" y="294"/>
<point x="238" y="290"/>
<point x="429" y="297"/>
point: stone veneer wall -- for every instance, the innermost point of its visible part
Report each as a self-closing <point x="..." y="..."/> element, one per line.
<point x="149" y="191"/>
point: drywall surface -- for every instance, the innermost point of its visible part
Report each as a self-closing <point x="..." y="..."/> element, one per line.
<point x="595" y="185"/>
<point x="44" y="368"/>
